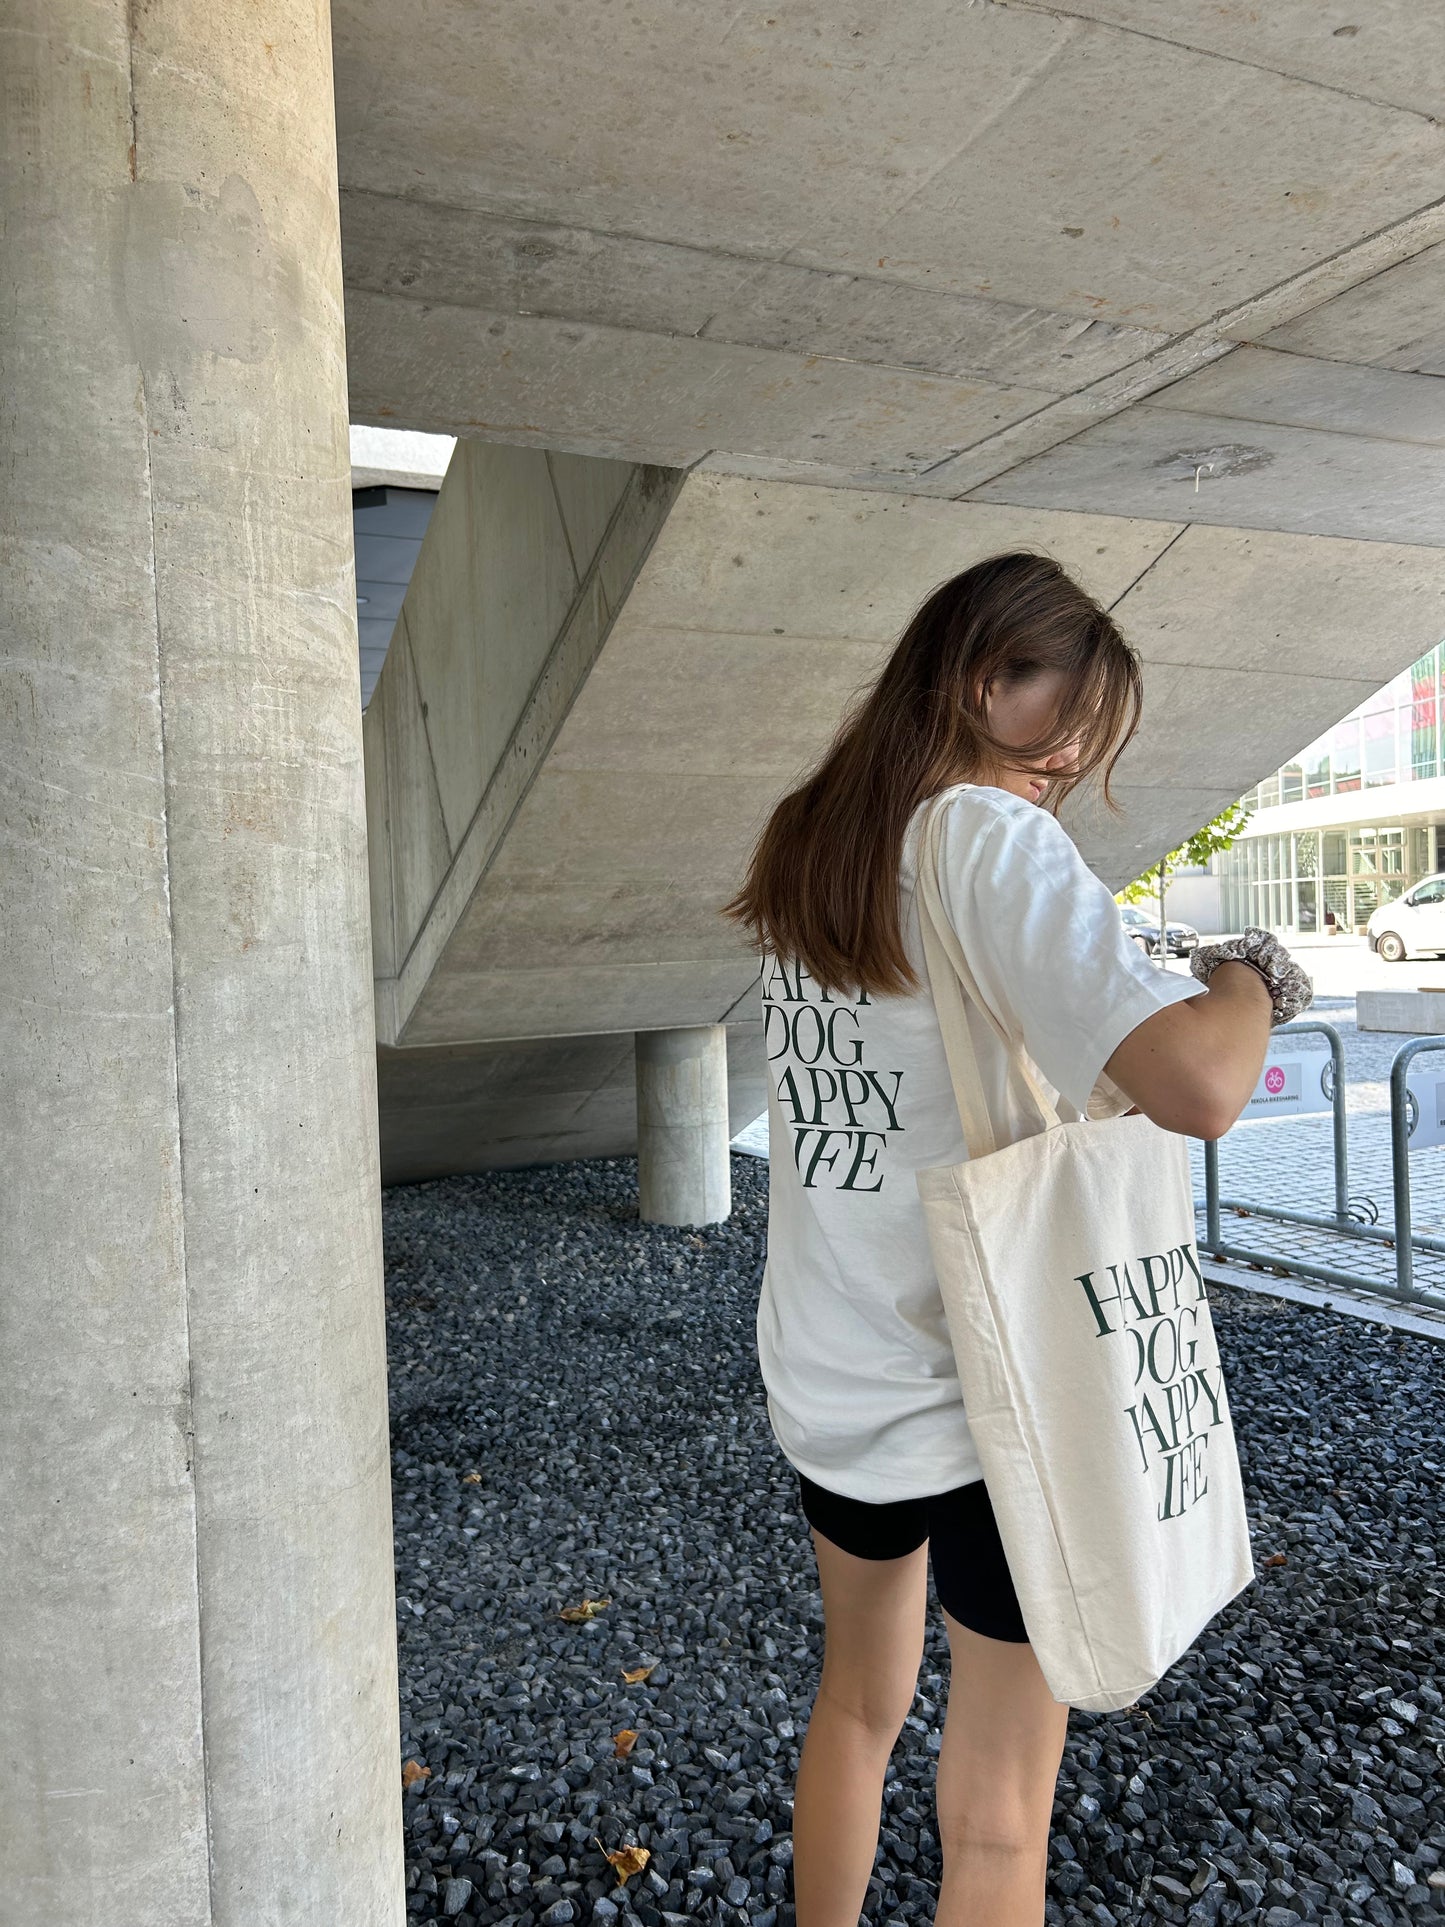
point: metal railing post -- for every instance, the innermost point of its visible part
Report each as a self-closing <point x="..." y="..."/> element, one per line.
<point x="1405" y="1239"/>
<point x="1341" y="1223"/>
<point x="1211" y="1191"/>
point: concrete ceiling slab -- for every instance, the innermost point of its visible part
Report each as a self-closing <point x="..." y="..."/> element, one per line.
<point x="1391" y="52"/>
<point x="1150" y="212"/>
<point x="1396" y="319"/>
<point x="1168" y="462"/>
<point x="671" y="119"/>
<point x="926" y="138"/>
<point x="746" y="557"/>
<point x="905" y="249"/>
<point x="1225" y="598"/>
<point x="1178" y="696"/>
<point x="466" y="257"/>
<point x="1249" y="640"/>
<point x="1301" y="391"/>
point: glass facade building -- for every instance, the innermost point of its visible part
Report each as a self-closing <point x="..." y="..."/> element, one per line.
<point x="1298" y="877"/>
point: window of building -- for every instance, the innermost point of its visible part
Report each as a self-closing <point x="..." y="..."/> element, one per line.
<point x="1379" y="748"/>
<point x="1345" y="754"/>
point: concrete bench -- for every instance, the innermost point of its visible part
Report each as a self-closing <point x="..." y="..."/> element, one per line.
<point x="1420" y="1012"/>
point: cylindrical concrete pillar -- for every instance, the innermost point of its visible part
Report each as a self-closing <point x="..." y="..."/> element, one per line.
<point x="683" y="1173"/>
<point x="198" y="1694"/>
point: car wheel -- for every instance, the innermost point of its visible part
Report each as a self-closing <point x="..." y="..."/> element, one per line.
<point x="1143" y="943"/>
<point x="1391" y="946"/>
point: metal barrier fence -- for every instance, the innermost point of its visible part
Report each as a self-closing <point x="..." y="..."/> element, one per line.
<point x="1407" y="1239"/>
<point x="1353" y="1219"/>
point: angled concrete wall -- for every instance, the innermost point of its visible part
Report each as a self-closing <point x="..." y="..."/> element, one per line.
<point x="759" y="610"/>
<point x="527" y="558"/>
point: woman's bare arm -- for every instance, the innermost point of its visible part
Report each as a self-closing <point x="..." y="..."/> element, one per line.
<point x="1191" y="1066"/>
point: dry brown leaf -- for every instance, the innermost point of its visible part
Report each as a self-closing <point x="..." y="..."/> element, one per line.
<point x="412" y="1771"/>
<point x="625" y="1741"/>
<point x="637" y="1673"/>
<point x="589" y="1609"/>
<point x="1277" y="1559"/>
<point x="472" y="1478"/>
<point x="626" y="1861"/>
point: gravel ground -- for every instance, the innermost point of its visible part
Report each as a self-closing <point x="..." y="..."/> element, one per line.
<point x="577" y="1416"/>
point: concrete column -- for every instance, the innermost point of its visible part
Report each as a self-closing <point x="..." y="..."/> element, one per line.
<point x="198" y="1693"/>
<point x="683" y="1173"/>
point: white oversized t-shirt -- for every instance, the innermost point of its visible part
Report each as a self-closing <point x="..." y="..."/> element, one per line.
<point x="853" y="1347"/>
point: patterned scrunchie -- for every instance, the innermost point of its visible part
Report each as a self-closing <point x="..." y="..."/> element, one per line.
<point x="1290" y="990"/>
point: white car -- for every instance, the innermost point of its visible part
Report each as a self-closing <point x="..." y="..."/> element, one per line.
<point x="1411" y="924"/>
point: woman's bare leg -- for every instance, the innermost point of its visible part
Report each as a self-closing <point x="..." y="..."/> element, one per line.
<point x="873" y="1617"/>
<point x="1003" y="1739"/>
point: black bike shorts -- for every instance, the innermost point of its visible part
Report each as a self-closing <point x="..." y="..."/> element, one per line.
<point x="970" y="1572"/>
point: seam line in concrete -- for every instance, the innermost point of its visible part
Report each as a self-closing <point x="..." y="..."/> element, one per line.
<point x="1000" y="383"/>
<point x="1159" y="399"/>
<point x="1212" y="339"/>
<point x="995" y="112"/>
<point x="421" y="705"/>
<point x="1248" y="669"/>
<point x="132" y="12"/>
<point x="1150" y="565"/>
<point x="1213" y="53"/>
<point x="739" y="999"/>
<point x="626" y="1049"/>
<point x="562" y="522"/>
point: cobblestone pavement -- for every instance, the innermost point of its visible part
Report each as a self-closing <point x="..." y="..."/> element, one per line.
<point x="1289" y="1162"/>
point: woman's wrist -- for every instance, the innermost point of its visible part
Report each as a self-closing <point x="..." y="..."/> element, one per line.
<point x="1290" y="990"/>
<point x="1246" y="975"/>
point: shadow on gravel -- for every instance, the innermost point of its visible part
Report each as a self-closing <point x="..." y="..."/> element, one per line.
<point x="577" y="1419"/>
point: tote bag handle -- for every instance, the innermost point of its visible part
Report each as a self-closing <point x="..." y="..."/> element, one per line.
<point x="950" y="976"/>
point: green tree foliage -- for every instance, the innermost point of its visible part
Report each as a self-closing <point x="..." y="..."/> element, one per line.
<point x="1215" y="836"/>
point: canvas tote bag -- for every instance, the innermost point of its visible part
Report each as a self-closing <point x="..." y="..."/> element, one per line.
<point x="1086" y="1354"/>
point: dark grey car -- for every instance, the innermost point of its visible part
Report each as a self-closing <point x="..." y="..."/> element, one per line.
<point x="1182" y="939"/>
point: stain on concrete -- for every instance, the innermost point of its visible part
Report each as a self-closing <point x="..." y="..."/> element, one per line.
<point x="201" y="274"/>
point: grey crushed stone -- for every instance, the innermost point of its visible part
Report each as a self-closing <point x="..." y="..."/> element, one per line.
<point x="600" y="1377"/>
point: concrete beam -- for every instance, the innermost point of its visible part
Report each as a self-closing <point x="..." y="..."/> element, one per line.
<point x="526" y="560"/>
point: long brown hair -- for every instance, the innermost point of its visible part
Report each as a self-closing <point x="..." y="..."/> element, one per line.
<point x="822" y="883"/>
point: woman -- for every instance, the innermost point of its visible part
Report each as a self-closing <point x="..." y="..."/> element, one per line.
<point x="1009" y="687"/>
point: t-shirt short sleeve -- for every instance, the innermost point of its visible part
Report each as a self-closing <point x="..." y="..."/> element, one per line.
<point x="1045" y="940"/>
